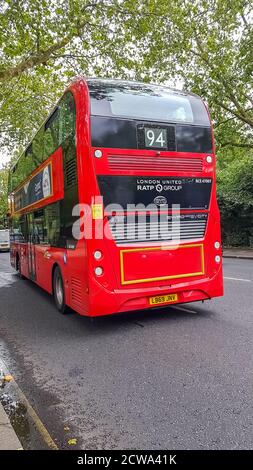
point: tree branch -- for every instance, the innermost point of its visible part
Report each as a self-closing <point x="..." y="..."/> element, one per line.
<point x="42" y="57"/>
<point x="33" y="60"/>
<point x="239" y="116"/>
<point x="240" y="113"/>
<point x="237" y="144"/>
<point x="223" y="122"/>
<point x="245" y="20"/>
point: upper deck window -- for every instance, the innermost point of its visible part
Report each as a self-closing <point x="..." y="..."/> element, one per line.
<point x="145" y="102"/>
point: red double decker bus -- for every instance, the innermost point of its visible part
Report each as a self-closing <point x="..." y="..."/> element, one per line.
<point x="113" y="203"/>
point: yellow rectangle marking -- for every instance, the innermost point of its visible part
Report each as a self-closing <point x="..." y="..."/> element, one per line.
<point x="163" y="278"/>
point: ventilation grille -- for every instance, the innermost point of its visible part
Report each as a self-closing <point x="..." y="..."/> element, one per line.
<point x="76" y="291"/>
<point x="140" y="229"/>
<point x="154" y="163"/>
<point x="71" y="177"/>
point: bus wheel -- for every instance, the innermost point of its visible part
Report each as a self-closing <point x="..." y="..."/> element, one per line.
<point x="58" y="290"/>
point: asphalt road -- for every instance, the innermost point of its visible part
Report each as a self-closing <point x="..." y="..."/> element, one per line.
<point x="168" y="379"/>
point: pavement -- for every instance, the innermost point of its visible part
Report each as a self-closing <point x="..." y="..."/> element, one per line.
<point x="173" y="378"/>
<point x="243" y="253"/>
<point x="8" y="438"/>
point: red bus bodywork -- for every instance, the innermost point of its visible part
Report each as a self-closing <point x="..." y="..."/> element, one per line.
<point x="136" y="271"/>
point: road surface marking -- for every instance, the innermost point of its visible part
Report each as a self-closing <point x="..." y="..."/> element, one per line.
<point x="237" y="279"/>
<point x="184" y="309"/>
<point x="38" y="423"/>
<point x="6" y="279"/>
<point x="31" y="412"/>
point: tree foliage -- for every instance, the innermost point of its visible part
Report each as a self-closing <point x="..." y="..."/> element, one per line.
<point x="235" y="195"/>
<point x="208" y="44"/>
<point x="204" y="45"/>
<point x="3" y="195"/>
<point x="44" y="44"/>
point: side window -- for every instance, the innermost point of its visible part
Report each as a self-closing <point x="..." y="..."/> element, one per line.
<point x="23" y="228"/>
<point x="39" y="229"/>
<point x="20" y="170"/>
<point x="67" y="117"/>
<point x="29" y="161"/>
<point x="14" y="229"/>
<point x="58" y="129"/>
<point x="23" y="168"/>
<point x="52" y="223"/>
<point x="51" y="134"/>
<point x="67" y="140"/>
<point x="18" y="229"/>
<point x="38" y="148"/>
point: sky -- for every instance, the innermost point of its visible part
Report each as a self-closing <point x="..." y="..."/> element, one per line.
<point x="4" y="158"/>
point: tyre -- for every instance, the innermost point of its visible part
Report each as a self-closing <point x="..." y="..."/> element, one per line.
<point x="58" y="291"/>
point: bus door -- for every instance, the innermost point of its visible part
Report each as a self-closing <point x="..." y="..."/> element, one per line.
<point x="31" y="247"/>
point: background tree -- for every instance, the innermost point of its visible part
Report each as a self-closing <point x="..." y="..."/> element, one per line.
<point x="204" y="45"/>
<point x="3" y="196"/>
<point x="208" y="44"/>
<point x="235" y="195"/>
<point x="44" y="44"/>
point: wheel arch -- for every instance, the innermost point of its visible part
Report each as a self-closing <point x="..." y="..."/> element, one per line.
<point x="64" y="308"/>
<point x="55" y="265"/>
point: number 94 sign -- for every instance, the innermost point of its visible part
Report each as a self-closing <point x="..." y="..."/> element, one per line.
<point x="155" y="138"/>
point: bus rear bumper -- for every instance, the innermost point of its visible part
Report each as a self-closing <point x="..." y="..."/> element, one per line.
<point x="119" y="301"/>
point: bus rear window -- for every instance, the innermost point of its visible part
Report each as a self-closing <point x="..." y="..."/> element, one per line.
<point x="145" y="102"/>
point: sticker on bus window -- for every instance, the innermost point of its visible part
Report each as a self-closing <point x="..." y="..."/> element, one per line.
<point x="97" y="211"/>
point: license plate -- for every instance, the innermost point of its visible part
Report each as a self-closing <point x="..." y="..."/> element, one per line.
<point x="163" y="299"/>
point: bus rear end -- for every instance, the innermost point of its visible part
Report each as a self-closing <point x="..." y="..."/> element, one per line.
<point x="154" y="193"/>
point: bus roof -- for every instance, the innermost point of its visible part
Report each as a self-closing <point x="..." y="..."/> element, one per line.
<point x="109" y="82"/>
<point x="142" y="86"/>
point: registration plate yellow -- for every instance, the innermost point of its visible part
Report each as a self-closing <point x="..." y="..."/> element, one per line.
<point x="163" y="299"/>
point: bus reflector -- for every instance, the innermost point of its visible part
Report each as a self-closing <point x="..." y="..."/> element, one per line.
<point x="97" y="211"/>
